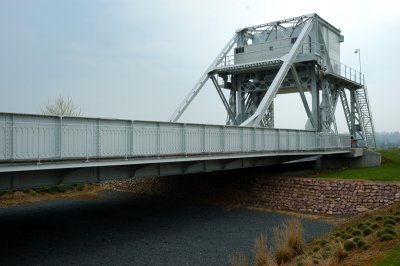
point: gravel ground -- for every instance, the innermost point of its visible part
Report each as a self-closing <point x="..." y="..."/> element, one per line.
<point x="127" y="229"/>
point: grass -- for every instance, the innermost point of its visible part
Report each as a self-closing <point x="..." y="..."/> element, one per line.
<point x="332" y="249"/>
<point x="288" y="240"/>
<point x="262" y="256"/>
<point x="389" y="170"/>
<point x="392" y="257"/>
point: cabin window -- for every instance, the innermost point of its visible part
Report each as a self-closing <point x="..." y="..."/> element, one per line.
<point x="239" y="50"/>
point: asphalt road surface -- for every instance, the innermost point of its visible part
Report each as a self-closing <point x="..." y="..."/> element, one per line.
<point x="127" y="229"/>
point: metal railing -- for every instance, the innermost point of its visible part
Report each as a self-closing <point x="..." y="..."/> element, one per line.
<point x="347" y="72"/>
<point x="306" y="48"/>
<point x="36" y="138"/>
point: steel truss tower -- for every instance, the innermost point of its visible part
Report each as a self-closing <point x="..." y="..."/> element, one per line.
<point x="296" y="55"/>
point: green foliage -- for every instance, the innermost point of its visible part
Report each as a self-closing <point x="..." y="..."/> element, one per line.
<point x="356" y="232"/>
<point x="349" y="245"/>
<point x="386" y="237"/>
<point x="367" y="231"/>
<point x="387" y="230"/>
<point x="323" y="242"/>
<point x="388" y="221"/>
<point x="375" y="226"/>
<point x="361" y="243"/>
<point x="346" y="236"/>
<point x="378" y="218"/>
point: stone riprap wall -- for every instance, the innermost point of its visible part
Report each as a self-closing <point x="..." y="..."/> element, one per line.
<point x="323" y="196"/>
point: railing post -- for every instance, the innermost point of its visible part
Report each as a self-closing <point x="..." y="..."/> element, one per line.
<point x="298" y="140"/>
<point x="279" y="140"/>
<point x="98" y="138"/>
<point x="127" y="146"/>
<point x="254" y="139"/>
<point x="263" y="140"/>
<point x="131" y="136"/>
<point x="158" y="133"/>
<point x="87" y="156"/>
<point x="204" y="138"/>
<point x="38" y="139"/>
<point x="184" y="139"/>
<point x="287" y="140"/>
<point x="242" y="139"/>
<point x="223" y="140"/>
<point x="60" y="137"/>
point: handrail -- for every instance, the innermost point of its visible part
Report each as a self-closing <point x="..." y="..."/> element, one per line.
<point x="38" y="138"/>
<point x="338" y="68"/>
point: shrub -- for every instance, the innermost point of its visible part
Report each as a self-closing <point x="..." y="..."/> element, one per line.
<point x="282" y="254"/>
<point x="262" y="257"/>
<point x="326" y="254"/>
<point x="367" y="223"/>
<point x="305" y="261"/>
<point x="361" y="243"/>
<point x="397" y="218"/>
<point x="294" y="232"/>
<point x="375" y="226"/>
<point x="329" y="262"/>
<point x="339" y="252"/>
<point x="378" y="218"/>
<point x="238" y="259"/>
<point x="288" y="240"/>
<point x="389" y="221"/>
<point x="26" y="191"/>
<point x="388" y="217"/>
<point x="386" y="237"/>
<point x="356" y="232"/>
<point x="360" y="225"/>
<point x="367" y="231"/>
<point x="387" y="230"/>
<point x="349" y="245"/>
<point x="323" y="242"/>
<point x="346" y="236"/>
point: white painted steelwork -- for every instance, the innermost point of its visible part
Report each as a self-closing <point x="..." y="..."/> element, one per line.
<point x="294" y="55"/>
<point x="44" y="138"/>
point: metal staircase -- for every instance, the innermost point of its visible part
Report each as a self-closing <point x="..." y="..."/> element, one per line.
<point x="346" y="107"/>
<point x="366" y="117"/>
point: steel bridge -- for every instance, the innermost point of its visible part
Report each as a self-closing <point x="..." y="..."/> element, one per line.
<point x="298" y="55"/>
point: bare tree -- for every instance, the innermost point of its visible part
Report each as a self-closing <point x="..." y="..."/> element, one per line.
<point x="62" y="107"/>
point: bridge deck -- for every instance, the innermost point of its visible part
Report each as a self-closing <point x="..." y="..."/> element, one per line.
<point x="38" y="143"/>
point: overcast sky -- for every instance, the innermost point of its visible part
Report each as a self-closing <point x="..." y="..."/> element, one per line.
<point x="138" y="59"/>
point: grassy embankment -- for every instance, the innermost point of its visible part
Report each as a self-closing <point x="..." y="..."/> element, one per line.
<point x="368" y="240"/>
<point x="388" y="171"/>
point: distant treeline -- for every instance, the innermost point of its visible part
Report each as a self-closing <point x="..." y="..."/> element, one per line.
<point x="388" y="139"/>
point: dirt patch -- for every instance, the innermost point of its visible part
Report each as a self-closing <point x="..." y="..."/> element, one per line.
<point x="30" y="196"/>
